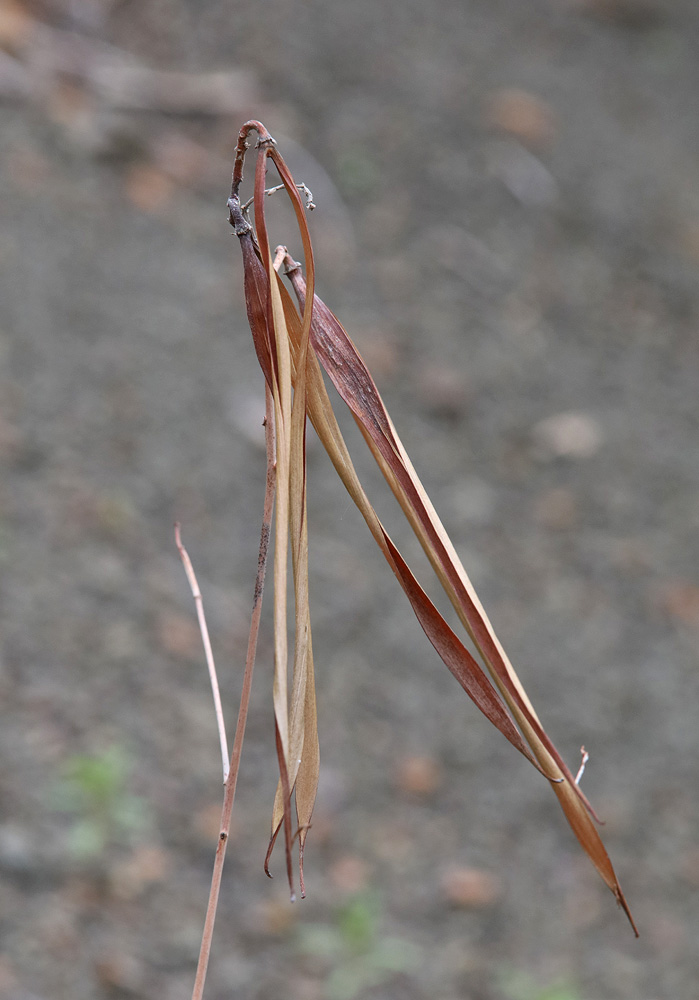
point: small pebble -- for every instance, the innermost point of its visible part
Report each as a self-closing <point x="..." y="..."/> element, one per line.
<point x="568" y="435"/>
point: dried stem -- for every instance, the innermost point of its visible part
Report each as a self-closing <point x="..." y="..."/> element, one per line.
<point x="242" y="148"/>
<point x="196" y="594"/>
<point x="229" y="793"/>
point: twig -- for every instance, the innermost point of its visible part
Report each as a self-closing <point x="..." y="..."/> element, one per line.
<point x="196" y="594"/>
<point x="303" y="188"/>
<point x="229" y="793"/>
<point x="242" y="147"/>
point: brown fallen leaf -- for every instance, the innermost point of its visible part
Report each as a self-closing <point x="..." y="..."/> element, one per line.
<point x="418" y="776"/>
<point x="522" y="115"/>
<point x="145" y="866"/>
<point x="69" y="104"/>
<point x="470" y="887"/>
<point x="185" y="161"/>
<point x="148" y="188"/>
<point x="680" y="600"/>
<point x="120" y="971"/>
<point x="273" y="917"/>
<point x="349" y="873"/>
<point x="16" y="23"/>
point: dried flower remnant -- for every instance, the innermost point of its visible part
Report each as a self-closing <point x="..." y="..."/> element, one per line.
<point x="293" y="340"/>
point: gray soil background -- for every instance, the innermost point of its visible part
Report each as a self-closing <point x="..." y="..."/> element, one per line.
<point x="508" y="226"/>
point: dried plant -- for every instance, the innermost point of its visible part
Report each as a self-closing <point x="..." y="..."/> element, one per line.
<point x="293" y="338"/>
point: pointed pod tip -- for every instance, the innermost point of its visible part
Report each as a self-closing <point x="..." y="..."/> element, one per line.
<point x="268" y="855"/>
<point x="293" y="897"/>
<point x="621" y="900"/>
<point x="631" y="920"/>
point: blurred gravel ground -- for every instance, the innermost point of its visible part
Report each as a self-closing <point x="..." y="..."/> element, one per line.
<point x="508" y="225"/>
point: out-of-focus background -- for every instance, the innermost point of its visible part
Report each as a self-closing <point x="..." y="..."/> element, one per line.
<point x="508" y="225"/>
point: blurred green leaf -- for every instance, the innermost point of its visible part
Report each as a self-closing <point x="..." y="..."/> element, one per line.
<point x="352" y="946"/>
<point x="519" y="986"/>
<point x="93" y="788"/>
<point x="357" y="922"/>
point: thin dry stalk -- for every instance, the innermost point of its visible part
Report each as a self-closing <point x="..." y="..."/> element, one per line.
<point x="232" y="780"/>
<point x="208" y="652"/>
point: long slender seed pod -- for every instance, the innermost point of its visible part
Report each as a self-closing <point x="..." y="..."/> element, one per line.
<point x="291" y="344"/>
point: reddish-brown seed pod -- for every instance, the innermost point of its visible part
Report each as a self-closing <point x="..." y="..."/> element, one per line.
<point x="291" y="344"/>
<point x="256" y="287"/>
